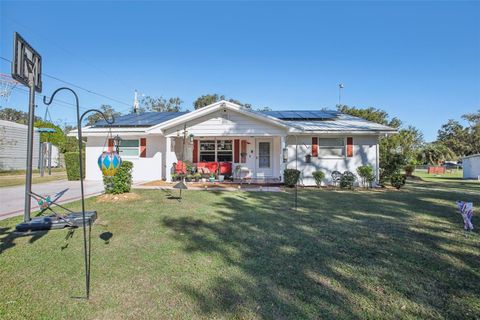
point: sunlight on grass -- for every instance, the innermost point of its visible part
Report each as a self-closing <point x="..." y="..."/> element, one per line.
<point x="389" y="255"/>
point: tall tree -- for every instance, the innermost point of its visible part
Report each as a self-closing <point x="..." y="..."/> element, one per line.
<point x="371" y="114"/>
<point x="435" y="153"/>
<point x="395" y="150"/>
<point x="208" y="99"/>
<point x="463" y="141"/>
<point x="160" y="104"/>
<point x="109" y="112"/>
<point x="455" y="137"/>
<point x="10" y="114"/>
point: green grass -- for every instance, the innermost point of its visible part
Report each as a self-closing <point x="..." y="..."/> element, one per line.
<point x="16" y="178"/>
<point x="363" y="254"/>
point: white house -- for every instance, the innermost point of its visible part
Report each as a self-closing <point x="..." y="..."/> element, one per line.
<point x="471" y="166"/>
<point x="13" y="146"/>
<point x="262" y="143"/>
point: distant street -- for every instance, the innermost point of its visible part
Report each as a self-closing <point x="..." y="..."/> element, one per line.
<point x="12" y="198"/>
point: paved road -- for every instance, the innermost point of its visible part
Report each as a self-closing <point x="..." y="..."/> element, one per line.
<point x="12" y="199"/>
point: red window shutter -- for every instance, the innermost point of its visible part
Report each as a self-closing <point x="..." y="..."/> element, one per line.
<point x="244" y="151"/>
<point x="110" y="145"/>
<point x="236" y="150"/>
<point x="195" y="151"/>
<point x="143" y="147"/>
<point x="349" y="147"/>
<point x="314" y="147"/>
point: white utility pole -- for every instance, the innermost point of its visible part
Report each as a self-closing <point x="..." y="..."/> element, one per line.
<point x="135" y="102"/>
<point x="340" y="87"/>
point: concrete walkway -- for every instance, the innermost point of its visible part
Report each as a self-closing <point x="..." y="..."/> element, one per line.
<point x="12" y="199"/>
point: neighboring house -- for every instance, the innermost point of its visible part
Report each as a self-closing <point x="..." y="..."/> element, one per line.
<point x="264" y="143"/>
<point x="471" y="167"/>
<point x="13" y="146"/>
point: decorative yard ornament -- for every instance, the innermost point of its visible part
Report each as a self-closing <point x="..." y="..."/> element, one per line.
<point x="109" y="162"/>
<point x="466" y="210"/>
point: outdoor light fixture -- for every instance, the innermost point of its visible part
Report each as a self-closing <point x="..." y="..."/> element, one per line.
<point x="285" y="155"/>
<point x="190" y="137"/>
<point x="117" y="141"/>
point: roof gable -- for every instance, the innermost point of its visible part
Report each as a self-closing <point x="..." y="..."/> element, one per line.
<point x="210" y="109"/>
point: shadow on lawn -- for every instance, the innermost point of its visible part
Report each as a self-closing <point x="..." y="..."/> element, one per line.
<point x="382" y="255"/>
<point x="9" y="235"/>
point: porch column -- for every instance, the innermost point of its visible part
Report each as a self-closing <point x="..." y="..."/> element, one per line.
<point x="282" y="164"/>
<point x="169" y="159"/>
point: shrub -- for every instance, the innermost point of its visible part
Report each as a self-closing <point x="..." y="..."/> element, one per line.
<point x="409" y="168"/>
<point x="121" y="181"/>
<point x="392" y="165"/>
<point x="367" y="175"/>
<point x="318" y="176"/>
<point x="72" y="165"/>
<point x="347" y="180"/>
<point x="291" y="177"/>
<point x="398" y="180"/>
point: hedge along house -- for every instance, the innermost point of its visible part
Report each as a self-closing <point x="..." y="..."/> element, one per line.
<point x="263" y="144"/>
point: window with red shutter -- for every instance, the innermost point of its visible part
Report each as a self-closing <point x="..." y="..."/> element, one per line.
<point x="314" y="147"/>
<point x="349" y="147"/>
<point x="143" y="147"/>
<point x="236" y="150"/>
<point x="195" y="151"/>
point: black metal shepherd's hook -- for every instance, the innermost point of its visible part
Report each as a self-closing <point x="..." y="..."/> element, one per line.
<point x="86" y="250"/>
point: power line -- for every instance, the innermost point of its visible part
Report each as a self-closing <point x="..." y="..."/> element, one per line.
<point x="70" y="53"/>
<point x="79" y="87"/>
<point x="58" y="102"/>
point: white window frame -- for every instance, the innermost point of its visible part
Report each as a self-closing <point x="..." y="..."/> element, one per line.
<point x="343" y="156"/>
<point x="200" y="149"/>
<point x="216" y="148"/>
<point x="131" y="157"/>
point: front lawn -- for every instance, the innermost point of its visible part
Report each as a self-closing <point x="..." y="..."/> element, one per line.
<point x="17" y="177"/>
<point x="375" y="254"/>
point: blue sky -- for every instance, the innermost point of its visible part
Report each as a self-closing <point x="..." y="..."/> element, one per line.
<point x="420" y="61"/>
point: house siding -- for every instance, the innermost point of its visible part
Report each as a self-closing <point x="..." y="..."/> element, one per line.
<point x="13" y="146"/>
<point x="364" y="153"/>
<point x="145" y="168"/>
<point x="228" y="123"/>
<point x="471" y="167"/>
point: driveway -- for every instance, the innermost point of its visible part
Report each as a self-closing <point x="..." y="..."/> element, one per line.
<point x="12" y="199"/>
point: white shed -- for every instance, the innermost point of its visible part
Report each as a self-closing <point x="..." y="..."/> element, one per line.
<point x="471" y="167"/>
<point x="13" y="146"/>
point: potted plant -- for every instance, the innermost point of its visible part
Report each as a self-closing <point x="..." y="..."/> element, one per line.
<point x="189" y="177"/>
<point x="212" y="178"/>
<point x="197" y="176"/>
<point x="174" y="177"/>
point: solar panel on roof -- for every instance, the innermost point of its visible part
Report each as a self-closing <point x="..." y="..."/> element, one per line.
<point x="297" y="115"/>
<point x="146" y="119"/>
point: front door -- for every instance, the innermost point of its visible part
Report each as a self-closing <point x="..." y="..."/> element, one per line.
<point x="264" y="165"/>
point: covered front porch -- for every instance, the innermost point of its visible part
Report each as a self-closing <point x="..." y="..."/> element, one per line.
<point x="254" y="159"/>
